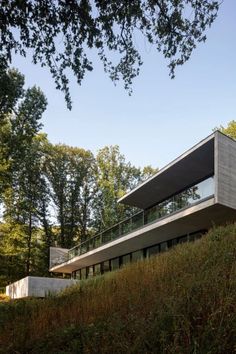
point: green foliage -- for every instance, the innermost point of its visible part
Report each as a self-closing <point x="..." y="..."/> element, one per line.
<point x="12" y="252"/>
<point x="70" y="171"/>
<point x="23" y="188"/>
<point x="5" y="131"/>
<point x="85" y="189"/>
<point x="20" y="114"/>
<point x="115" y="176"/>
<point x="61" y="34"/>
<point x="230" y="130"/>
<point x="180" y="302"/>
<point x="11" y="88"/>
<point x="11" y="91"/>
<point x="37" y="177"/>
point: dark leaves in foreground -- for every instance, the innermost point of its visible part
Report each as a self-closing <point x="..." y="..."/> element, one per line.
<point x="60" y="34"/>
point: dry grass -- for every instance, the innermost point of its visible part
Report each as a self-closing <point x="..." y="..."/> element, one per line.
<point x="183" y="301"/>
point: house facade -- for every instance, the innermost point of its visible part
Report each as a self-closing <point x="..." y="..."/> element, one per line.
<point x="178" y="204"/>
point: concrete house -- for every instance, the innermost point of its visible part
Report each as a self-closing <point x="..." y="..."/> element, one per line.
<point x="178" y="204"/>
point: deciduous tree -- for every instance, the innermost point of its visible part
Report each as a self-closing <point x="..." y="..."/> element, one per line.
<point x="70" y="172"/>
<point x="115" y="176"/>
<point x="60" y="34"/>
<point x="230" y="129"/>
<point x="22" y="184"/>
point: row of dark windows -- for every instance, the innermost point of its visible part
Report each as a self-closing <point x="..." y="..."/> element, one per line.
<point x="118" y="262"/>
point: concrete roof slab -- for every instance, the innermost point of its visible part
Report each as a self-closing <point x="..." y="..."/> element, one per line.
<point x="191" y="167"/>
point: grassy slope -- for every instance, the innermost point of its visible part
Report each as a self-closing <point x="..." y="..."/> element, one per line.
<point x="183" y="301"/>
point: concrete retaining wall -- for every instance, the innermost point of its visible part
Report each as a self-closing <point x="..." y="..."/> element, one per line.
<point x="37" y="287"/>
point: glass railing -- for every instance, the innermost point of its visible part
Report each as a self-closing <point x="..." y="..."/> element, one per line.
<point x="186" y="198"/>
<point x="59" y="260"/>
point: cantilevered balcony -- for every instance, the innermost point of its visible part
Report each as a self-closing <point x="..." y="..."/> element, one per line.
<point x="180" y="201"/>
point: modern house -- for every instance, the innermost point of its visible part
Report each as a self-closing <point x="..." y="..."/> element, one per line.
<point x="179" y="203"/>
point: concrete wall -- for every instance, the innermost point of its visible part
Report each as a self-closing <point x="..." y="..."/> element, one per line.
<point x="37" y="286"/>
<point x="57" y="255"/>
<point x="225" y="170"/>
<point x="18" y="289"/>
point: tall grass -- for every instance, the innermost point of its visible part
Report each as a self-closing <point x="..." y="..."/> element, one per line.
<point x="182" y="301"/>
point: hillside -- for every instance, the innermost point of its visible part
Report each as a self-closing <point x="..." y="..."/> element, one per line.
<point x="183" y="301"/>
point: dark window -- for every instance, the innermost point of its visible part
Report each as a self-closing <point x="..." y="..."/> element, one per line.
<point x="126" y="259"/>
<point x="163" y="246"/>
<point x="195" y="236"/>
<point x="136" y="256"/>
<point x="170" y="243"/>
<point x="89" y="271"/>
<point x="115" y="263"/>
<point x="106" y="266"/>
<point x="97" y="269"/>
<point x="77" y="274"/>
<point x="183" y="239"/>
<point x="174" y="242"/>
<point x="83" y="273"/>
<point x="151" y="251"/>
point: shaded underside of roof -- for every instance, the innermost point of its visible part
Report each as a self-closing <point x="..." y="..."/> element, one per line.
<point x="188" y="169"/>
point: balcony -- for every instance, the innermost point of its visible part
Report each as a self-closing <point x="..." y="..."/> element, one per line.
<point x="188" y="197"/>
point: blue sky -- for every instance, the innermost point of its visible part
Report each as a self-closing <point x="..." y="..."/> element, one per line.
<point x="163" y="117"/>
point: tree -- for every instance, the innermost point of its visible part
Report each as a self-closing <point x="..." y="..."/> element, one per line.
<point x="12" y="251"/>
<point x="22" y="184"/>
<point x="25" y="194"/>
<point x="20" y="114"/>
<point x="61" y="33"/>
<point x="70" y="172"/>
<point x="11" y="88"/>
<point x="147" y="172"/>
<point x="230" y="130"/>
<point x="114" y="178"/>
<point x="11" y="91"/>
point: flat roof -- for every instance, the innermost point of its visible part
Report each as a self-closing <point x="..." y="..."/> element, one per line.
<point x="192" y="166"/>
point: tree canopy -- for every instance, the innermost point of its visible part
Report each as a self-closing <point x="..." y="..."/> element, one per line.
<point x="50" y="194"/>
<point x="60" y="34"/>
<point x="230" y="129"/>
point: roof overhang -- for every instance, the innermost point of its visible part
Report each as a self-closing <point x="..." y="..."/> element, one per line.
<point x="191" y="167"/>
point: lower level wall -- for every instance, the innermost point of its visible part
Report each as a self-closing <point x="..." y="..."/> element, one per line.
<point x="37" y="287"/>
<point x="118" y="262"/>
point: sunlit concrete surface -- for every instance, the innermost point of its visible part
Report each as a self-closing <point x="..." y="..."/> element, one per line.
<point x="37" y="287"/>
